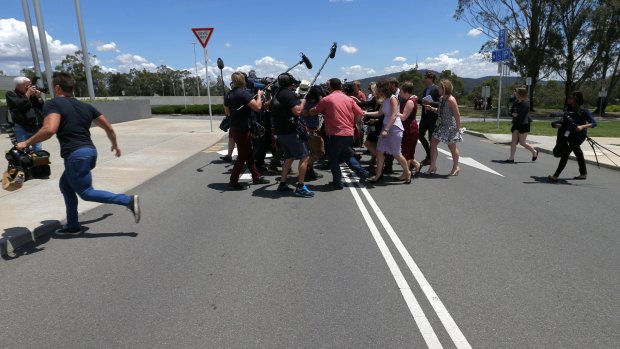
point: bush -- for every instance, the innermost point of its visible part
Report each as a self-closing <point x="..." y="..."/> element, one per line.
<point x="197" y="109"/>
<point x="613" y="108"/>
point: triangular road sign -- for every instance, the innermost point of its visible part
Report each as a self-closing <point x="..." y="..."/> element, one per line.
<point x="203" y="35"/>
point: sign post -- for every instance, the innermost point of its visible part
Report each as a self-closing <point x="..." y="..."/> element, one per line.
<point x="500" y="55"/>
<point x="203" y="35"/>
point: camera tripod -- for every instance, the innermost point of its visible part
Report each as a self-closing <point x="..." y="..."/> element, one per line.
<point x="593" y="144"/>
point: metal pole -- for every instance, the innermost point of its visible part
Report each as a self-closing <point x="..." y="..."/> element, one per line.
<point x="33" y="44"/>
<point x="89" y="76"/>
<point x="196" y="67"/>
<point x="208" y="86"/>
<point x="43" y="40"/>
<point x="183" y="87"/>
<point x="499" y="95"/>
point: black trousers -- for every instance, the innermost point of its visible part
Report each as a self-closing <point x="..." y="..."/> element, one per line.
<point x="575" y="147"/>
<point x="427" y="124"/>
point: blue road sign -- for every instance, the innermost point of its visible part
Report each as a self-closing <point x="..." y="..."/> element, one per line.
<point x="501" y="40"/>
<point x="500" y="55"/>
<point x="505" y="54"/>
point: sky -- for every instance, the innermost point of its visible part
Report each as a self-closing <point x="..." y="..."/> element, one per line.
<point x="374" y="37"/>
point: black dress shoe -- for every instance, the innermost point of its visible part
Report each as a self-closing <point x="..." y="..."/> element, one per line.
<point x="509" y="161"/>
<point x="552" y="179"/>
<point x="425" y="162"/>
<point x="535" y="156"/>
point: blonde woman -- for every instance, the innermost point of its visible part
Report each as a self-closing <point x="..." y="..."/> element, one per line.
<point x="448" y="130"/>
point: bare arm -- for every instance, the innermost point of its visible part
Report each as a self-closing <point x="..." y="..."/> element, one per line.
<point x="102" y="122"/>
<point x="408" y="109"/>
<point x="50" y="126"/>
<point x="257" y="103"/>
<point x="455" y="111"/>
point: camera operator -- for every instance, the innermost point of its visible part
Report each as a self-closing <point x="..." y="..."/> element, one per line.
<point x="26" y="105"/>
<point x="240" y="122"/>
<point x="285" y="111"/>
<point x="572" y="131"/>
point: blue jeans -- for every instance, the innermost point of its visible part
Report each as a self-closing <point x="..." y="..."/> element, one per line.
<point x="339" y="149"/>
<point x="78" y="180"/>
<point x="21" y="135"/>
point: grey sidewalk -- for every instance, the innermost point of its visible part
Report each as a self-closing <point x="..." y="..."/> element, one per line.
<point x="149" y="147"/>
<point x="545" y="144"/>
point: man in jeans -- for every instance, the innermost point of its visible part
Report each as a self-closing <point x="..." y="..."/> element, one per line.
<point x="70" y="120"/>
<point x="340" y="115"/>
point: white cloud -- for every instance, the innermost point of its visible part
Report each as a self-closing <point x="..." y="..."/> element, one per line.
<point x="15" y="47"/>
<point x="228" y="45"/>
<point x="357" y="71"/>
<point x="474" y="66"/>
<point x="127" y="61"/>
<point x="399" y="59"/>
<point x="398" y="68"/>
<point x="474" y="32"/>
<point x="349" y="49"/>
<point x="103" y="47"/>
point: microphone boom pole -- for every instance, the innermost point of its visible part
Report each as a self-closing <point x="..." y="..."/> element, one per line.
<point x="332" y="54"/>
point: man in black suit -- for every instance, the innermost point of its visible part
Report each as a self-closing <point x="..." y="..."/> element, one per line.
<point x="428" y="119"/>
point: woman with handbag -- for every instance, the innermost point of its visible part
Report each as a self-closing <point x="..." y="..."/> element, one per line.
<point x="573" y="130"/>
<point x="520" y="125"/>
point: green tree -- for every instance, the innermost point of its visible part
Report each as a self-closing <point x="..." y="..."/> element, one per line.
<point x="457" y="82"/>
<point x="529" y="25"/>
<point x="74" y="64"/>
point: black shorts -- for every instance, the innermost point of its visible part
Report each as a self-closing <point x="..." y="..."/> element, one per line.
<point x="525" y="128"/>
<point x="292" y="146"/>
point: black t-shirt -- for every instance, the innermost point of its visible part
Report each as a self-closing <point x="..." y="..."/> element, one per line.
<point x="75" y="120"/>
<point x="239" y="119"/>
<point x="283" y="118"/>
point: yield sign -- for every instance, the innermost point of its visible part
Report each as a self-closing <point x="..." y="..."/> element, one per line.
<point x="203" y="35"/>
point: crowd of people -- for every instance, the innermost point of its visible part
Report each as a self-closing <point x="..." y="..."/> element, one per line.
<point x="314" y="123"/>
<point x="324" y="123"/>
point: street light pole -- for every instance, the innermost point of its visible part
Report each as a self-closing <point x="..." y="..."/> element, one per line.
<point x="196" y="67"/>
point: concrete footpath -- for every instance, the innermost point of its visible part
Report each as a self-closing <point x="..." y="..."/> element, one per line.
<point x="149" y="147"/>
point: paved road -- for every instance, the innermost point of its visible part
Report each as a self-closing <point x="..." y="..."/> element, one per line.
<point x="487" y="260"/>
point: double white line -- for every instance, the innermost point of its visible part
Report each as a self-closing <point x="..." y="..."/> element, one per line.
<point x="414" y="307"/>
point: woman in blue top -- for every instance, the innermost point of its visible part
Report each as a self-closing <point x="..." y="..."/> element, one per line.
<point x="573" y="130"/>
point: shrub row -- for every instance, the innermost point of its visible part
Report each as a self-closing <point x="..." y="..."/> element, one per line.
<point x="196" y="109"/>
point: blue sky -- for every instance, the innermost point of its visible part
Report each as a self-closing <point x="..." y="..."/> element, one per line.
<point x="374" y="37"/>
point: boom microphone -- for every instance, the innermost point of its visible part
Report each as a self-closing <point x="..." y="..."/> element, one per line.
<point x="306" y="60"/>
<point x="332" y="53"/>
<point x="220" y="63"/>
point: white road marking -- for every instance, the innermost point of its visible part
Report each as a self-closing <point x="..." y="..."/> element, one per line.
<point x="470" y="162"/>
<point x="446" y="319"/>
<point x="234" y="153"/>
<point x="414" y="307"/>
<point x="451" y="327"/>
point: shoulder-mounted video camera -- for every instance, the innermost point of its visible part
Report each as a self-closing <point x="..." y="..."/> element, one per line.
<point x="566" y="122"/>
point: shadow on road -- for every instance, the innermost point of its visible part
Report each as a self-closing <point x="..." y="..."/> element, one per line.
<point x="22" y="236"/>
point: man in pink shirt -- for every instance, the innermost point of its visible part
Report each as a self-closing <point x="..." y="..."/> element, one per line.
<point x="340" y="114"/>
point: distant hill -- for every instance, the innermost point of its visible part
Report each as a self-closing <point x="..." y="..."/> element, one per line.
<point x="469" y="84"/>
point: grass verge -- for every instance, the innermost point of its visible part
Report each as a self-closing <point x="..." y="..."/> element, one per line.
<point x="543" y="128"/>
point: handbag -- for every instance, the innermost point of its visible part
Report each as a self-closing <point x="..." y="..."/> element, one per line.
<point x="225" y="124"/>
<point x="561" y="147"/>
